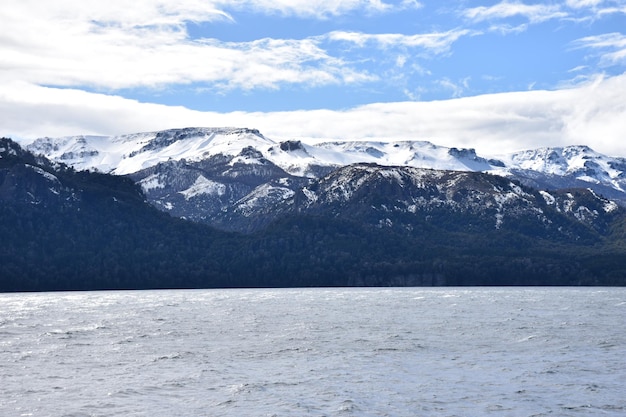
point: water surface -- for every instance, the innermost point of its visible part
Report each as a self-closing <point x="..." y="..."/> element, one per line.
<point x="315" y="352"/>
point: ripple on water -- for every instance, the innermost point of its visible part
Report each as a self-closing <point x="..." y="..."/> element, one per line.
<point x="315" y="352"/>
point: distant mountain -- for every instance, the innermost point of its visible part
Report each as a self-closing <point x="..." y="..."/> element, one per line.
<point x="358" y="224"/>
<point x="128" y="154"/>
<point x="408" y="198"/>
<point x="235" y="179"/>
<point x="570" y="167"/>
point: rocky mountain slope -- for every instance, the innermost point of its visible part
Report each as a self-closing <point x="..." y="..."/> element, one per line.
<point x="238" y="179"/>
<point x="462" y="200"/>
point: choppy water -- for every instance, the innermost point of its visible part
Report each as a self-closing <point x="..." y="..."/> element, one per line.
<point x="315" y="352"/>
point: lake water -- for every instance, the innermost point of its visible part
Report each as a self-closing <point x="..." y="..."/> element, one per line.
<point x="315" y="352"/>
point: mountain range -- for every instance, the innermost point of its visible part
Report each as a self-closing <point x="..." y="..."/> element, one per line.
<point x="93" y="212"/>
<point x="239" y="180"/>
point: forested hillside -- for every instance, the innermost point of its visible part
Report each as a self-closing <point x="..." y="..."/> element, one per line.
<point x="62" y="229"/>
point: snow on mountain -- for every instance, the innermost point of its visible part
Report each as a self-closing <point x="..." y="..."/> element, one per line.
<point x="264" y="195"/>
<point x="299" y="158"/>
<point x="418" y="154"/>
<point x="406" y="197"/>
<point x="237" y="179"/>
<point x="209" y="173"/>
<point x="559" y="161"/>
<point x="579" y="162"/>
<point x="127" y="154"/>
<point x="100" y="153"/>
<point x="203" y="186"/>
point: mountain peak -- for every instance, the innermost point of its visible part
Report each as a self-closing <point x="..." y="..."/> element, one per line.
<point x="542" y="168"/>
<point x="9" y="148"/>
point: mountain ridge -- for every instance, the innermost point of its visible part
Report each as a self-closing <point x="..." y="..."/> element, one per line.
<point x="127" y="154"/>
<point x="362" y="224"/>
<point x="227" y="176"/>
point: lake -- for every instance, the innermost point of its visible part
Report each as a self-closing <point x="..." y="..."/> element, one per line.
<point x="315" y="352"/>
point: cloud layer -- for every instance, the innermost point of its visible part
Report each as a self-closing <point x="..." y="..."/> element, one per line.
<point x="591" y="114"/>
<point x="119" y="44"/>
<point x="79" y="66"/>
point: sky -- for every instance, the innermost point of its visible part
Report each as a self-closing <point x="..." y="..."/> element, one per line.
<point x="497" y="76"/>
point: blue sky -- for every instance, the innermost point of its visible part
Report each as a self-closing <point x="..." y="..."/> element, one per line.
<point x="470" y="52"/>
<point x="494" y="75"/>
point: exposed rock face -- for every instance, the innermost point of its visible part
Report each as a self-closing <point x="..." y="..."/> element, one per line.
<point x="237" y="179"/>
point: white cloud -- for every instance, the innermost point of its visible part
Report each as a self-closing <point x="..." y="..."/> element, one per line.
<point x="593" y="114"/>
<point x="535" y="13"/>
<point x="578" y="68"/>
<point x="411" y="4"/>
<point x="580" y="11"/>
<point x="585" y="11"/>
<point x="506" y="29"/>
<point x="457" y="88"/>
<point x="436" y="42"/>
<point x="139" y="44"/>
<point x="319" y="9"/>
<point x="577" y="4"/>
<point x="401" y="60"/>
<point x="120" y="13"/>
<point x="612" y="47"/>
<point x="118" y="44"/>
<point x="598" y="6"/>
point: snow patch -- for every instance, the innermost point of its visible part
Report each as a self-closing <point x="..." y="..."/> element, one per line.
<point x="244" y="159"/>
<point x="259" y="197"/>
<point x="587" y="178"/>
<point x="45" y="174"/>
<point x="151" y="182"/>
<point x="386" y="222"/>
<point x="610" y="207"/>
<point x="310" y="195"/>
<point x="393" y="174"/>
<point x="499" y="220"/>
<point x="582" y="214"/>
<point x="569" y="203"/>
<point x="549" y="198"/>
<point x="204" y="186"/>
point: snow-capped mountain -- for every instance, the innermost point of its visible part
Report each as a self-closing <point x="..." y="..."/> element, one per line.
<point x="129" y="154"/>
<point x="569" y="167"/>
<point x="361" y="224"/>
<point x="236" y="178"/>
